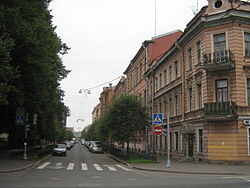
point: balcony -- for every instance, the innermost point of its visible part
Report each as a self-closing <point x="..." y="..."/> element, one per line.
<point x="218" y="61"/>
<point x="219" y="110"/>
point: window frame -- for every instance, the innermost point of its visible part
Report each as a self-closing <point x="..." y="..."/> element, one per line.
<point x="246" y="51"/>
<point x="248" y="140"/>
<point x="198" y="52"/>
<point x="217" y="44"/>
<point x="200" y="141"/>
<point x="189" y="56"/>
<point x="221" y="89"/>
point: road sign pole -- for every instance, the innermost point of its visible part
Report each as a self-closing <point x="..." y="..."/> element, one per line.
<point x="168" y="143"/>
<point x="25" y="136"/>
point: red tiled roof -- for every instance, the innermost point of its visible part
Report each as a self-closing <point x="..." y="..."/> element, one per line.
<point x="162" y="44"/>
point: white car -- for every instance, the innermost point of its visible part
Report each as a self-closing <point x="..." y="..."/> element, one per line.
<point x="60" y="149"/>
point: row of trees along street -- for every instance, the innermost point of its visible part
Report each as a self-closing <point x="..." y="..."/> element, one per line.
<point x="30" y="71"/>
<point x="121" y="123"/>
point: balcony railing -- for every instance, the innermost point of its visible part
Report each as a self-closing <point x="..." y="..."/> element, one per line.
<point x="219" y="110"/>
<point x="219" y="60"/>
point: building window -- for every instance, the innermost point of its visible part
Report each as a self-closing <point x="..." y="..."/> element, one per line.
<point x="176" y="141"/>
<point x="219" y="42"/>
<point x="247" y="44"/>
<point x="156" y="83"/>
<point x="198" y="52"/>
<point x="248" y="139"/>
<point x="170" y="73"/>
<point x="171" y="142"/>
<point x="166" y="143"/>
<point x="165" y="77"/>
<point x="160" y="142"/>
<point x="200" y="140"/>
<point x="221" y="91"/>
<point x="190" y="98"/>
<point x="176" y="105"/>
<point x="160" y="84"/>
<point x="160" y="106"/>
<point x="176" y="69"/>
<point x="248" y="91"/>
<point x="169" y="107"/>
<point x="189" y="58"/>
<point x="199" y="96"/>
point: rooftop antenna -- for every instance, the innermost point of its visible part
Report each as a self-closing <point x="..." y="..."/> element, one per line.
<point x="155" y="17"/>
<point x="195" y="10"/>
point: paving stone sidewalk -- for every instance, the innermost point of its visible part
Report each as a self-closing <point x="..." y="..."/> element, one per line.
<point x="195" y="167"/>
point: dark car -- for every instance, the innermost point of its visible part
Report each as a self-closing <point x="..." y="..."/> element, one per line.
<point x="60" y="149"/>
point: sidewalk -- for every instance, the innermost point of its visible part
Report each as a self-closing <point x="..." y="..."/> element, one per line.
<point x="193" y="167"/>
<point x="13" y="165"/>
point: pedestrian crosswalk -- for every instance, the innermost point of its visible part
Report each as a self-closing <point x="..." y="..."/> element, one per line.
<point x="83" y="166"/>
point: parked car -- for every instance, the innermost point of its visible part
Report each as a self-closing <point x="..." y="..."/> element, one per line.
<point x="96" y="147"/>
<point x="68" y="145"/>
<point x="60" y="149"/>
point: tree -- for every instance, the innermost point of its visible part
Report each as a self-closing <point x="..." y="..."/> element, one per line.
<point x="31" y="69"/>
<point x="127" y="117"/>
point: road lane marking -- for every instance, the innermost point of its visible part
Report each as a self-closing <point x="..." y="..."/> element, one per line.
<point x="123" y="168"/>
<point x="59" y="164"/>
<point x="43" y="165"/>
<point x="97" y="166"/>
<point x="111" y="168"/>
<point x="84" y="167"/>
<point x="71" y="166"/>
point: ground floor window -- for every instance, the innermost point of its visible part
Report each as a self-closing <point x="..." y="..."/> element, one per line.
<point x="176" y="141"/>
<point x="248" y="140"/>
<point x="200" y="140"/>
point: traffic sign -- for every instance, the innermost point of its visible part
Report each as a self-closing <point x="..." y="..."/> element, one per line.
<point x="19" y="119"/>
<point x="157" y="118"/>
<point x="158" y="130"/>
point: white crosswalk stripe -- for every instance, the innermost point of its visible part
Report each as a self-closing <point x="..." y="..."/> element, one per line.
<point x="71" y="166"/>
<point x="123" y="168"/>
<point x="43" y="165"/>
<point x="59" y="164"/>
<point x="245" y="178"/>
<point x="110" y="168"/>
<point x="84" y="167"/>
<point x="98" y="168"/>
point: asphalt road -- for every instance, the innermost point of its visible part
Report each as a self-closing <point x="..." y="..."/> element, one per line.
<point x="80" y="168"/>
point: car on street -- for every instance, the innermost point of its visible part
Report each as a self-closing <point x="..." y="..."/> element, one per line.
<point x="60" y="149"/>
<point x="96" y="147"/>
<point x="68" y="145"/>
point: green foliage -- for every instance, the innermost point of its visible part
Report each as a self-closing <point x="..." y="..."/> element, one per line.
<point x="31" y="69"/>
<point x="121" y="123"/>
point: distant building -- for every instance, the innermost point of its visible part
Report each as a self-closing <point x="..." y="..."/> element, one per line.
<point x="70" y="129"/>
<point x="106" y="98"/>
<point x="96" y="113"/>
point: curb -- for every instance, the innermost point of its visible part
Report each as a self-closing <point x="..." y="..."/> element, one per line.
<point x="185" y="172"/>
<point x="171" y="171"/>
<point x="118" y="160"/>
<point x="25" y="167"/>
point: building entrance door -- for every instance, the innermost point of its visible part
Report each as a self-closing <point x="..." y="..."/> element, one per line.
<point x="190" y="140"/>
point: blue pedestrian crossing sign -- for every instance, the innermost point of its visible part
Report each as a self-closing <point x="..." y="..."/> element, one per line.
<point x="157" y="118"/>
<point x="20" y="118"/>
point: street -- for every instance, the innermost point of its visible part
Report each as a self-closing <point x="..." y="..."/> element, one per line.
<point x="80" y="168"/>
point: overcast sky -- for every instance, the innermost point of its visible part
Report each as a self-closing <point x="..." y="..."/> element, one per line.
<point x="104" y="35"/>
